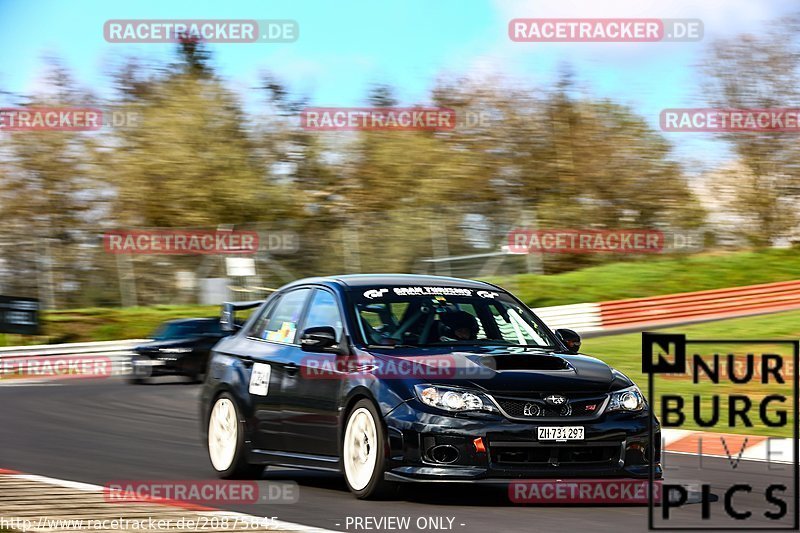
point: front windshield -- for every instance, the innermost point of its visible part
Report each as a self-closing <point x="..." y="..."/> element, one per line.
<point x="442" y="316"/>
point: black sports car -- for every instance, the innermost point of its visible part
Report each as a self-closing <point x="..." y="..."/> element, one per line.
<point x="178" y="348"/>
<point x="390" y="378"/>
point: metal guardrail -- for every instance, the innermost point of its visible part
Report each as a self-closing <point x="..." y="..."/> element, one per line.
<point x="119" y="352"/>
<point x="75" y="348"/>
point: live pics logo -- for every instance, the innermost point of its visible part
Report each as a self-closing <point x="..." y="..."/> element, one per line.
<point x="742" y="472"/>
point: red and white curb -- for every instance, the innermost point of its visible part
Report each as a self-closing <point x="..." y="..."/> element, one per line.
<point x="635" y="314"/>
<point x="39" y="503"/>
<point x="746" y="447"/>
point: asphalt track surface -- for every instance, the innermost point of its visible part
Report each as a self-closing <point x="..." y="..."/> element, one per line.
<point x="98" y="431"/>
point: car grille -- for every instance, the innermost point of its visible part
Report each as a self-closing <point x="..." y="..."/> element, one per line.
<point x="533" y="454"/>
<point x="539" y="408"/>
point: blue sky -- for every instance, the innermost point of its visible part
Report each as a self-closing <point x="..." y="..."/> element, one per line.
<point x="345" y="46"/>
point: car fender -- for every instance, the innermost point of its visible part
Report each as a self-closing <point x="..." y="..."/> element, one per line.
<point x="227" y="373"/>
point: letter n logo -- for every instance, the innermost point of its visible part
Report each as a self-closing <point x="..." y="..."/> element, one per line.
<point x="670" y="352"/>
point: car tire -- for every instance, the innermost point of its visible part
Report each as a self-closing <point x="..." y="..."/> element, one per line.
<point x="133" y="380"/>
<point x="365" y="453"/>
<point x="225" y="443"/>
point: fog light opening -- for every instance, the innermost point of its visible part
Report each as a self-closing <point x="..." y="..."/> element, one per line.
<point x="638" y="452"/>
<point x="444" y="453"/>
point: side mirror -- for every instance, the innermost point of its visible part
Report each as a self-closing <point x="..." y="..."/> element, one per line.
<point x="318" y="339"/>
<point x="226" y="320"/>
<point x="570" y="339"/>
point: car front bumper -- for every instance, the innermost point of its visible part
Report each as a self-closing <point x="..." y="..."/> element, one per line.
<point x="488" y="447"/>
<point x="147" y="365"/>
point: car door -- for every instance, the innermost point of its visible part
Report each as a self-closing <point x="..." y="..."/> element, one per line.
<point x="268" y="349"/>
<point x="311" y="398"/>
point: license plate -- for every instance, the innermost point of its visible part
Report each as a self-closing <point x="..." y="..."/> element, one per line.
<point x="561" y="433"/>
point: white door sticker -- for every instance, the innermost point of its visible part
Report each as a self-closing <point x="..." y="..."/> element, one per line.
<point x="259" y="379"/>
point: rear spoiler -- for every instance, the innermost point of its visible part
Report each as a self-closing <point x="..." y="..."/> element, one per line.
<point x="228" y="318"/>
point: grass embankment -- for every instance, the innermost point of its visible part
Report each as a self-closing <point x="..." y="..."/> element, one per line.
<point x="624" y="352"/>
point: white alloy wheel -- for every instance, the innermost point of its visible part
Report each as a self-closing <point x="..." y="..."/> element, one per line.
<point x="360" y="448"/>
<point x="222" y="434"/>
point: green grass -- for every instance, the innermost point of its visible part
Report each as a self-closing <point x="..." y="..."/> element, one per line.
<point x="624" y="353"/>
<point x="652" y="277"/>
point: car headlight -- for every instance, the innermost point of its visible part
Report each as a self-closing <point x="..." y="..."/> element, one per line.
<point x="175" y="350"/>
<point x="453" y="399"/>
<point x="630" y="399"/>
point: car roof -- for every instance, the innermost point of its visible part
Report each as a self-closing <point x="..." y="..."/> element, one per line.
<point x="356" y="281"/>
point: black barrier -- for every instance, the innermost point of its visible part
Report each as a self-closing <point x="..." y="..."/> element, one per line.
<point x="19" y="315"/>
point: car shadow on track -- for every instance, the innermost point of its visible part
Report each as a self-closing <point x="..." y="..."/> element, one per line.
<point x="441" y="494"/>
<point x="167" y="380"/>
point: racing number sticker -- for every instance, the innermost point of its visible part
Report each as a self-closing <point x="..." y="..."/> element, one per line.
<point x="259" y="379"/>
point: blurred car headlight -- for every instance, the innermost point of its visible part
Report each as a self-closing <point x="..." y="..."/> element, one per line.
<point x="175" y="350"/>
<point x="453" y="399"/>
<point x="629" y="399"/>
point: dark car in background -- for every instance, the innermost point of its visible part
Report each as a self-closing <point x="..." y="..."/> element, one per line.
<point x="401" y="378"/>
<point x="178" y="348"/>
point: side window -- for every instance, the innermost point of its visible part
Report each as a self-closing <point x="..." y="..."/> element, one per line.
<point x="324" y="312"/>
<point x="257" y="328"/>
<point x="280" y="325"/>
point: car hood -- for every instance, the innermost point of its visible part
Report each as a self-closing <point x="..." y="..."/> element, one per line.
<point x="512" y="371"/>
<point x="154" y="345"/>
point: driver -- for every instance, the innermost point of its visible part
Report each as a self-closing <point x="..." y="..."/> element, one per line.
<point x="459" y="326"/>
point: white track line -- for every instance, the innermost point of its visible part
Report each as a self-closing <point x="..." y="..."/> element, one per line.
<point x="88" y="487"/>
